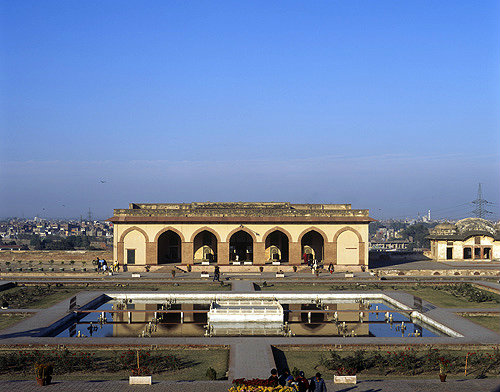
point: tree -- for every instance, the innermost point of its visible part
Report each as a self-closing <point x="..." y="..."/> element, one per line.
<point x="417" y="234"/>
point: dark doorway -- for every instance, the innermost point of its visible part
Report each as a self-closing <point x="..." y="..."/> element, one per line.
<point x="205" y="247"/>
<point x="169" y="248"/>
<point x="277" y="246"/>
<point x="477" y="253"/>
<point x="241" y="246"/>
<point x="312" y="245"/>
<point x="487" y="253"/>
<point x="449" y="253"/>
<point x="467" y="253"/>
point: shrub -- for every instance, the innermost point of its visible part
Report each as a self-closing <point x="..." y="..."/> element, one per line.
<point x="211" y="373"/>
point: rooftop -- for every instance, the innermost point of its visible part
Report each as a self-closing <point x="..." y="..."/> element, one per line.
<point x="285" y="211"/>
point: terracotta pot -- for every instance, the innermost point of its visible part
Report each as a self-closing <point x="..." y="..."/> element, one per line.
<point x="442" y="377"/>
<point x="44" y="381"/>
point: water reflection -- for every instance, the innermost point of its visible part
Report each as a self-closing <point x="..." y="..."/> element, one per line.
<point x="346" y="319"/>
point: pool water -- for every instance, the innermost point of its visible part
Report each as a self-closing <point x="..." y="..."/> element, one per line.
<point x="333" y="318"/>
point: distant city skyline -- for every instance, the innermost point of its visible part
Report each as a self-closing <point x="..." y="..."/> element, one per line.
<point x="390" y="106"/>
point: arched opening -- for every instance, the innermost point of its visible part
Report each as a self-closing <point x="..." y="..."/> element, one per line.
<point x="241" y="247"/>
<point x="169" y="248"/>
<point x="312" y="244"/>
<point x="277" y="247"/>
<point x="348" y="248"/>
<point x="205" y="247"/>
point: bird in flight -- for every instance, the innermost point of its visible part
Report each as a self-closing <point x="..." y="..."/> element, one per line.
<point x="103" y="182"/>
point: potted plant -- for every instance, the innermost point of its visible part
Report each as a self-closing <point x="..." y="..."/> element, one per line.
<point x="173" y="273"/>
<point x="261" y="269"/>
<point x="443" y="365"/>
<point x="43" y="373"/>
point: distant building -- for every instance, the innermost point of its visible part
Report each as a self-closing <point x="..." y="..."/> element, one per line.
<point x="389" y="245"/>
<point x="246" y="233"/>
<point x="468" y="239"/>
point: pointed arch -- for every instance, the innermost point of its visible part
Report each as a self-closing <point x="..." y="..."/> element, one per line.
<point x="313" y="228"/>
<point x="209" y="229"/>
<point x="347" y="228"/>
<point x="171" y="229"/>
<point x="122" y="237"/>
<point x="277" y="228"/>
<point x="242" y="228"/>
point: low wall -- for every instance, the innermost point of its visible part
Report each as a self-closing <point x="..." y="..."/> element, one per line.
<point x="438" y="272"/>
<point x="56" y="255"/>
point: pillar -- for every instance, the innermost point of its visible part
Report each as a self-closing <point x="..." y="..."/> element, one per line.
<point x="362" y="253"/>
<point x="294" y="253"/>
<point x="259" y="253"/>
<point x="120" y="253"/>
<point x="188" y="316"/>
<point x="151" y="253"/>
<point x="223" y="253"/>
<point x="186" y="253"/>
<point x="330" y="253"/>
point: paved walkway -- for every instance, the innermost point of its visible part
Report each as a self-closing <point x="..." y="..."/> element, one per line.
<point x="485" y="385"/>
<point x="242" y="286"/>
<point x="250" y="360"/>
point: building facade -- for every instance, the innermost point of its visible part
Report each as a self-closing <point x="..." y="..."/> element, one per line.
<point x="468" y="239"/>
<point x="245" y="233"/>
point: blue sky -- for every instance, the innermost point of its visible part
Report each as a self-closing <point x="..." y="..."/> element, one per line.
<point x="388" y="105"/>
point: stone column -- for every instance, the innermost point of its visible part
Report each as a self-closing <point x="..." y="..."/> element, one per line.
<point x="294" y="253"/>
<point x="259" y="253"/>
<point x="361" y="253"/>
<point x="188" y="316"/>
<point x="120" y="251"/>
<point x="187" y="253"/>
<point x="151" y="253"/>
<point x="223" y="253"/>
<point x="330" y="253"/>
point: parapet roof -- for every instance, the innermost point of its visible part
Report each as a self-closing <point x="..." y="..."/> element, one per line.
<point x="239" y="211"/>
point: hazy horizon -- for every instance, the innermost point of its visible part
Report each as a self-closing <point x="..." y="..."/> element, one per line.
<point x="389" y="106"/>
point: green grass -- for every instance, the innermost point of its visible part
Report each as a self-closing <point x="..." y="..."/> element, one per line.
<point x="9" y="319"/>
<point x="30" y="298"/>
<point x="308" y="359"/>
<point x="440" y="298"/>
<point x="446" y="300"/>
<point x="40" y="296"/>
<point x="491" y="322"/>
<point x="197" y="361"/>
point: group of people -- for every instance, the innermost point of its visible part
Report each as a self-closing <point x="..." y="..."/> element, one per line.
<point x="300" y="383"/>
<point x="102" y="266"/>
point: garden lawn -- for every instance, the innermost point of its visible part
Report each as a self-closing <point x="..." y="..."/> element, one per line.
<point x="31" y="297"/>
<point x="43" y="296"/>
<point x="440" y="298"/>
<point x="195" y="362"/>
<point x="444" y="299"/>
<point x="309" y="361"/>
<point x="491" y="322"/>
<point x="9" y="319"/>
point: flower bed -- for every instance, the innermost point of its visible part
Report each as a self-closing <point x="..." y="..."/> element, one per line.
<point x="257" y="385"/>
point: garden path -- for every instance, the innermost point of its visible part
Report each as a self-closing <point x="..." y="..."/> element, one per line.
<point x="434" y="385"/>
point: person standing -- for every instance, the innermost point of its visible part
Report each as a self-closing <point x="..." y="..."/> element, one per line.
<point x="317" y="384"/>
<point x="302" y="382"/>
<point x="217" y="273"/>
<point x="273" y="378"/>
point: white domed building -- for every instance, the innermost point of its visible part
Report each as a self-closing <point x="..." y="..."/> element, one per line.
<point x="468" y="239"/>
